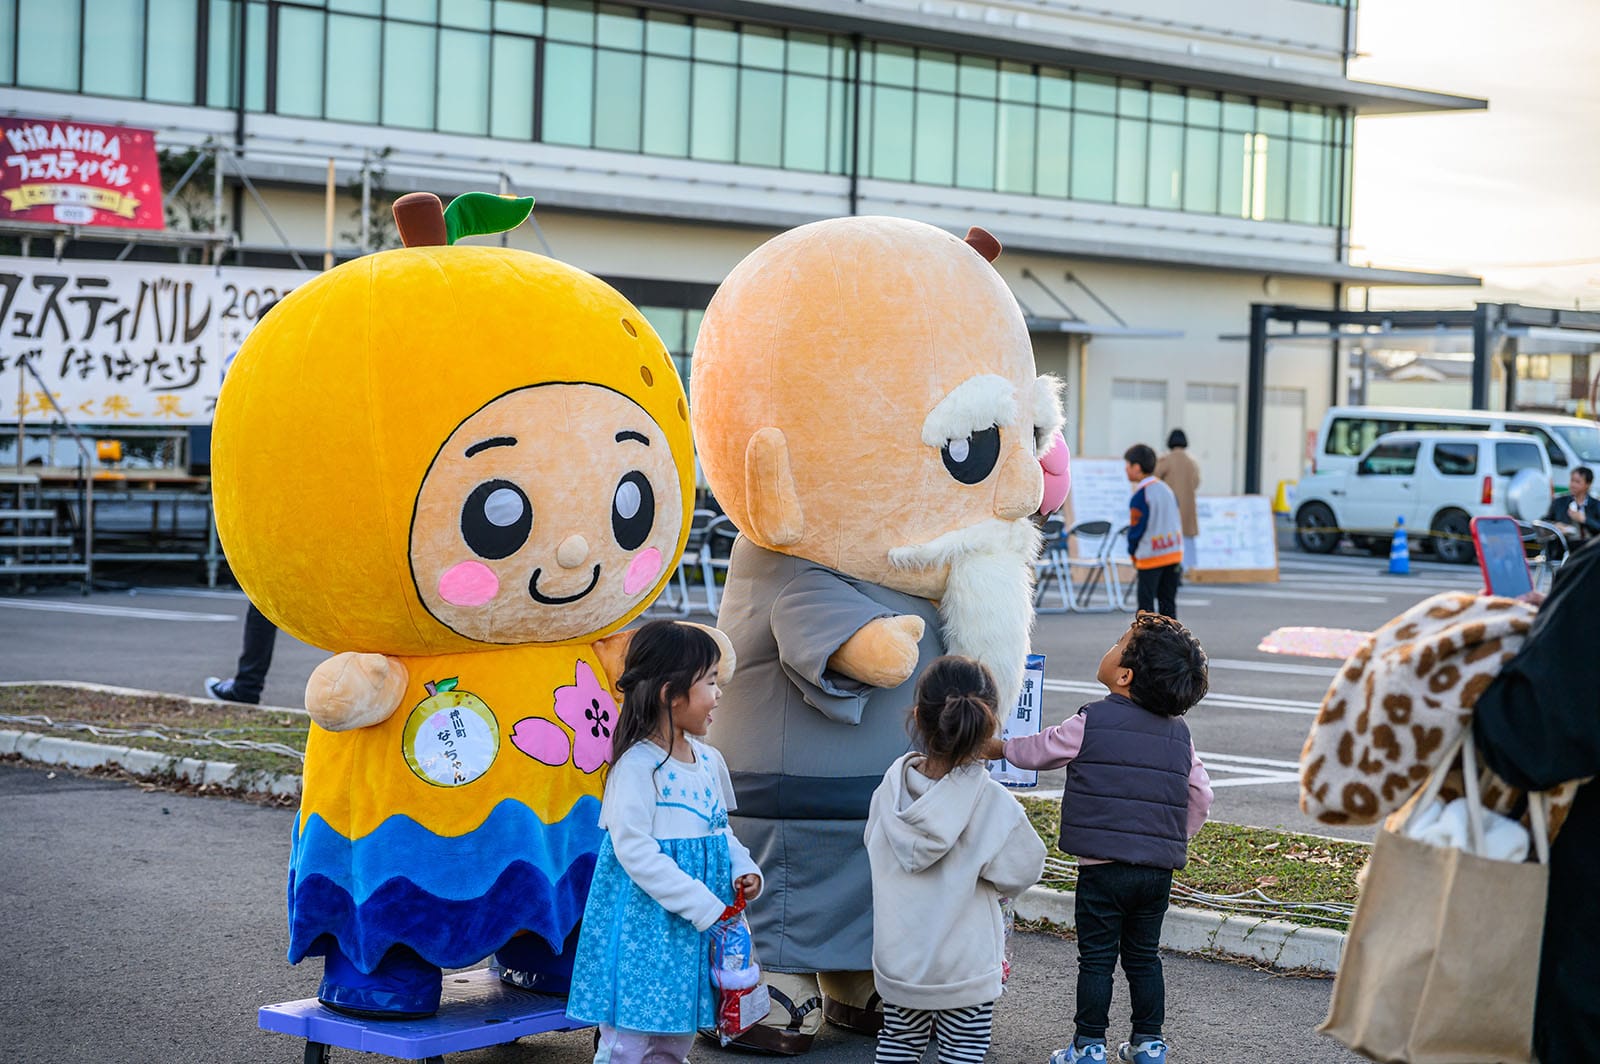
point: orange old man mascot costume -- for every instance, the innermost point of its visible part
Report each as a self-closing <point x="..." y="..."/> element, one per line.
<point x="867" y="412"/>
<point x="463" y="469"/>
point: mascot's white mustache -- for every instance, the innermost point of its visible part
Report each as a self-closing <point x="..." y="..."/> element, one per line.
<point x="987" y="606"/>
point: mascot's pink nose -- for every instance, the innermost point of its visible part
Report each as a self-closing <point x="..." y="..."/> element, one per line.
<point x="1057" y="464"/>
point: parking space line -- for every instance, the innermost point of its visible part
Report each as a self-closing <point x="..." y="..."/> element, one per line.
<point x="125" y="612"/>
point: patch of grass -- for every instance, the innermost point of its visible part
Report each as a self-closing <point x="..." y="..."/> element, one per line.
<point x="1228" y="859"/>
<point x="175" y="718"/>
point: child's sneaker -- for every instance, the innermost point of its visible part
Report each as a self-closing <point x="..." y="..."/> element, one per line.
<point x="1073" y="1054"/>
<point x="1151" y="1052"/>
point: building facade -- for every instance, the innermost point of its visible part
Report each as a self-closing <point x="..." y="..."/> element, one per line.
<point x="1152" y="166"/>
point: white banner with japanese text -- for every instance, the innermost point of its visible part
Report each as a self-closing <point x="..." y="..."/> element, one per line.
<point x="130" y="343"/>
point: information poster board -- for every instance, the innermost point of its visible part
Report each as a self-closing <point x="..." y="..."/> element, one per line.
<point x="1238" y="541"/>
<point x="1022" y="720"/>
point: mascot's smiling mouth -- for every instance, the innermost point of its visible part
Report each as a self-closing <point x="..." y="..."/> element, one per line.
<point x="562" y="600"/>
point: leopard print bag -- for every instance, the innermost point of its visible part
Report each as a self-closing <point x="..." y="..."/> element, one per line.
<point x="1401" y="701"/>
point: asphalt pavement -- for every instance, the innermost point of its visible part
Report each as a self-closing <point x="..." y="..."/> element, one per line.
<point x="148" y="926"/>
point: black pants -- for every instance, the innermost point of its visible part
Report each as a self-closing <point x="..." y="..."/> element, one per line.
<point x="256" y="657"/>
<point x="1160" y="586"/>
<point x="1119" y="910"/>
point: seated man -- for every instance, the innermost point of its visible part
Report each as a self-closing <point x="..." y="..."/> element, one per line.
<point x="1577" y="514"/>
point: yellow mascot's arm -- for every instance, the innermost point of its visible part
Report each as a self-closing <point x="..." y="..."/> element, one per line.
<point x="612" y="650"/>
<point x="882" y="653"/>
<point x="351" y="691"/>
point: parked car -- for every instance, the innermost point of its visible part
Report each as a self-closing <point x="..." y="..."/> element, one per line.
<point x="1347" y="431"/>
<point x="1437" y="481"/>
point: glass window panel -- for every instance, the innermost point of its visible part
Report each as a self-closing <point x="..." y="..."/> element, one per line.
<point x="221" y="50"/>
<point x="711" y="128"/>
<point x="1050" y="171"/>
<point x="890" y="142"/>
<point x="761" y="117"/>
<point x="1305" y="182"/>
<point x="975" y="129"/>
<point x="47" y="51"/>
<point x="936" y="71"/>
<point x="1095" y="93"/>
<point x="467" y="14"/>
<point x="1015" y="157"/>
<point x="570" y="20"/>
<point x="715" y="39"/>
<point x="355" y="46"/>
<point x="978" y="77"/>
<point x="172" y="46"/>
<point x="519" y="16"/>
<point x="808" y="53"/>
<point x="761" y="46"/>
<point x="1272" y="118"/>
<point x="1131" y="136"/>
<point x="668" y="34"/>
<point x="805" y="124"/>
<point x="618" y="99"/>
<point x="414" y="10"/>
<point x="1200" y="160"/>
<point x="407" y="75"/>
<point x="1272" y="158"/>
<point x="113" y="37"/>
<point x="357" y="7"/>
<point x="8" y="39"/>
<point x="1308" y="122"/>
<point x="1233" y="175"/>
<point x="1094" y="145"/>
<point x="1133" y="99"/>
<point x="1165" y="185"/>
<point x="666" y="106"/>
<point x="1204" y="108"/>
<point x="843" y="61"/>
<point x="1055" y="88"/>
<point x="839" y="133"/>
<point x="619" y="27"/>
<point x="935" y="142"/>
<point x="1239" y="113"/>
<point x="1166" y="103"/>
<point x="463" y="82"/>
<point x="668" y="323"/>
<point x="255" y="59"/>
<point x="1017" y="83"/>
<point x="300" y="67"/>
<point x="893" y="65"/>
<point x="511" y="104"/>
<point x="568" y="97"/>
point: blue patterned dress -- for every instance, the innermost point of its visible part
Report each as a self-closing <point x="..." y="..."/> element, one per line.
<point x="665" y="872"/>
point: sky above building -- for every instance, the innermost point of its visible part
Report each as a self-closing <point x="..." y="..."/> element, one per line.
<point x="1511" y="195"/>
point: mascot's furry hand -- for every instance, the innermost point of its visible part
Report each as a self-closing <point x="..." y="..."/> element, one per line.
<point x="355" y="690"/>
<point x="882" y="653"/>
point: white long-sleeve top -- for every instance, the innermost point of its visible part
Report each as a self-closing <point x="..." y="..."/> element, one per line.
<point x="678" y="800"/>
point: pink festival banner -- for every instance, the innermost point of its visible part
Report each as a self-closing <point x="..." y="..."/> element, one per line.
<point x="75" y="173"/>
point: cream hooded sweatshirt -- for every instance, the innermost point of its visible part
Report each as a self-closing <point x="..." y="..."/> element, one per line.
<point x="943" y="852"/>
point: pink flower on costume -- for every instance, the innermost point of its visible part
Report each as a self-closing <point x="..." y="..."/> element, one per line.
<point x="587" y="708"/>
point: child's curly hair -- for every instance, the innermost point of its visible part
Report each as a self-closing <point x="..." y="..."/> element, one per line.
<point x="1168" y="663"/>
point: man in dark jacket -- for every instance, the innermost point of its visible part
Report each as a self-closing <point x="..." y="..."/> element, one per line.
<point x="1577" y="514"/>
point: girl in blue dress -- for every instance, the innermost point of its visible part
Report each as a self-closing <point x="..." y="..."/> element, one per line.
<point x="668" y="864"/>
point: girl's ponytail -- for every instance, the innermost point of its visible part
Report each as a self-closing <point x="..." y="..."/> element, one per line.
<point x="957" y="710"/>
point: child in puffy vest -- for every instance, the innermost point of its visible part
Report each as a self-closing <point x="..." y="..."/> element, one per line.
<point x="1135" y="793"/>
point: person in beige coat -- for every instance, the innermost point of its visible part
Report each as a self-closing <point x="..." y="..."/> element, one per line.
<point x="946" y="843"/>
<point x="1182" y="475"/>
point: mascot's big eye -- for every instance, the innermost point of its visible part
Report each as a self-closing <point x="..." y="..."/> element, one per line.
<point x="972" y="458"/>
<point x="496" y="519"/>
<point x="633" y="511"/>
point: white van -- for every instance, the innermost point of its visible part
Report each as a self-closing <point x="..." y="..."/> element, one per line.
<point x="1347" y="431"/>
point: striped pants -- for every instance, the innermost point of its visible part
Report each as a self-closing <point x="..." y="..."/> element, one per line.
<point x="963" y="1034"/>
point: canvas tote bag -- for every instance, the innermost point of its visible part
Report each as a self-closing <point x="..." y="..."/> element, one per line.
<point x="1442" y="957"/>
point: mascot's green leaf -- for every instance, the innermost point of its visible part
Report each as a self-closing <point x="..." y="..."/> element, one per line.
<point x="482" y="213"/>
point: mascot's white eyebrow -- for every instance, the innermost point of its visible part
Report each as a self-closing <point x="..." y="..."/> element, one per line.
<point x="637" y="437"/>
<point x="493" y="441"/>
<point x="972" y="406"/>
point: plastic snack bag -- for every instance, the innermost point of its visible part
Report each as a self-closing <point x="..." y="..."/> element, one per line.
<point x="742" y="998"/>
<point x="1008" y="920"/>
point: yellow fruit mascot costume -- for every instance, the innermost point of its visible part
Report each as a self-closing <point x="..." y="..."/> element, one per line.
<point x="462" y="469"/>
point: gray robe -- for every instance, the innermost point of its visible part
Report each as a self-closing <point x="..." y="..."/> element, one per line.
<point x="806" y="748"/>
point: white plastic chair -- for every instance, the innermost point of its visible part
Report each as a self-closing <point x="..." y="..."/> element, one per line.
<point x="674" y="598"/>
<point x="715" y="551"/>
<point x="1050" y="568"/>
<point x="1094" y="542"/>
<point x="1124" y="596"/>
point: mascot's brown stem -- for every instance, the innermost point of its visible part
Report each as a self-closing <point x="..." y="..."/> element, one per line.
<point x="420" y="219"/>
<point x="982" y="241"/>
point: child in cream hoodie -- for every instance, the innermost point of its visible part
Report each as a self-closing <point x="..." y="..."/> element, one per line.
<point x="945" y="842"/>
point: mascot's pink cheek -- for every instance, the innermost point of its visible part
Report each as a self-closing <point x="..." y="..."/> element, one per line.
<point x="468" y="584"/>
<point x="642" y="571"/>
